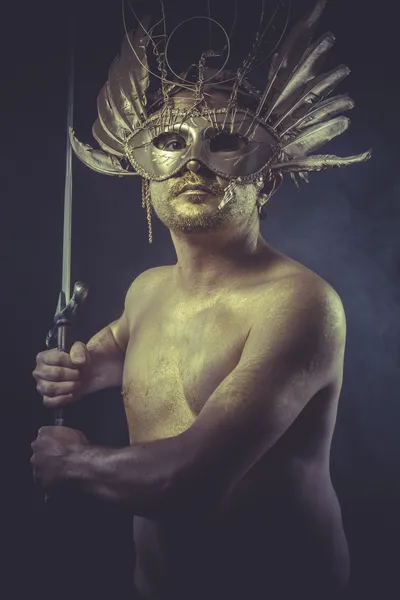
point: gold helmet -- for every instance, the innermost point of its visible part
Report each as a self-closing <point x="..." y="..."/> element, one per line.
<point x="257" y="133"/>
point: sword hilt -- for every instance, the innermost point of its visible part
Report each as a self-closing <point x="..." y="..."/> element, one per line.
<point x="62" y="329"/>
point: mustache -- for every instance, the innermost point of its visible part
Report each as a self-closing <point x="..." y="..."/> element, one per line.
<point x="208" y="186"/>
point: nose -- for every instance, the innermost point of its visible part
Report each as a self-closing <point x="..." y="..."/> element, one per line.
<point x="193" y="165"/>
<point x="201" y="171"/>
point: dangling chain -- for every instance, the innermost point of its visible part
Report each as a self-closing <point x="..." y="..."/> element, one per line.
<point x="146" y="203"/>
<point x="230" y="191"/>
<point x="228" y="195"/>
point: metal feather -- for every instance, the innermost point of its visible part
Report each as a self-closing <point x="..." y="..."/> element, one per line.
<point x="107" y="144"/>
<point x="124" y="113"/>
<point x="303" y="73"/>
<point x="108" y="129"/>
<point x="313" y="138"/>
<point x="321" y="112"/>
<point x="132" y="69"/>
<point x="320" y="162"/>
<point x="315" y="91"/>
<point x="121" y="102"/>
<point x="304" y="176"/>
<point x="288" y="57"/>
<point x="97" y="160"/>
<point x="294" y="179"/>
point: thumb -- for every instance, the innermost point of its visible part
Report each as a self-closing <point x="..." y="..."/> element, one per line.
<point x="79" y="354"/>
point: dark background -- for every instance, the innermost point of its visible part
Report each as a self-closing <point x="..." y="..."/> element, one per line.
<point x="345" y="225"/>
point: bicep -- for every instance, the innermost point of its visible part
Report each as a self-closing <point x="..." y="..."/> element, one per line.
<point x="120" y="332"/>
<point x="121" y="328"/>
<point x="290" y="354"/>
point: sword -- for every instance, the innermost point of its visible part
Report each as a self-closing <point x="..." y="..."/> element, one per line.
<point x="60" y="334"/>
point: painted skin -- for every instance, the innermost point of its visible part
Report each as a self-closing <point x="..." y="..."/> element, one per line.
<point x="280" y="529"/>
<point x="231" y="300"/>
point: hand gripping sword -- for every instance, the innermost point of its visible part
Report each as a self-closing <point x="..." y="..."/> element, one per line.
<point x="61" y="333"/>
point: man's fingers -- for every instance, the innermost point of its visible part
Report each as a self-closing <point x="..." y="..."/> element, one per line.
<point x="58" y="401"/>
<point x="58" y="380"/>
<point x="79" y="354"/>
<point x="54" y="358"/>
<point x="60" y="388"/>
<point x="56" y="373"/>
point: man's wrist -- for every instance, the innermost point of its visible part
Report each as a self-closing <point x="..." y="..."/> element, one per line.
<point x="74" y="467"/>
<point x="69" y="467"/>
<point x="89" y="379"/>
<point x="91" y="471"/>
<point x="71" y="485"/>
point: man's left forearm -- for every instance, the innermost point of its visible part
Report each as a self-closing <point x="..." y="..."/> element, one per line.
<point x="140" y="476"/>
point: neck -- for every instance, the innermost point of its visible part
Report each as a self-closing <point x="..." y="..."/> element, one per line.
<point x="215" y="260"/>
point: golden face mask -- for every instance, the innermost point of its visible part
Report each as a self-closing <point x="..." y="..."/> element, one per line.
<point x="230" y="147"/>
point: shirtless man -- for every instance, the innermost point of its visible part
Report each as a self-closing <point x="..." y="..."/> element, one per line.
<point x="231" y="365"/>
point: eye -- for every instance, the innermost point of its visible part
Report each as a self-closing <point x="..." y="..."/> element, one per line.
<point x="227" y="142"/>
<point x="170" y="141"/>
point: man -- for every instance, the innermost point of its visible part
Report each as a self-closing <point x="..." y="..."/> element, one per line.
<point x="230" y="361"/>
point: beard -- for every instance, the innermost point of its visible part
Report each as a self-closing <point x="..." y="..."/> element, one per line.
<point x="195" y="215"/>
<point x="198" y="214"/>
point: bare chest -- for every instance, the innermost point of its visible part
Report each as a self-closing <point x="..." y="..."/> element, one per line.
<point x="177" y="356"/>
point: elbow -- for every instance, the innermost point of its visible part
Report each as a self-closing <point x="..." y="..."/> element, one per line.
<point x="192" y="493"/>
<point x="195" y="487"/>
<point x="184" y="486"/>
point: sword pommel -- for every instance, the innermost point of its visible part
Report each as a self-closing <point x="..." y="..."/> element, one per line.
<point x="80" y="293"/>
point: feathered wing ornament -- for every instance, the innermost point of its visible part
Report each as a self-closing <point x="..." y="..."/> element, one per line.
<point x="121" y="106"/>
<point x="320" y="162"/>
<point x="99" y="161"/>
<point x="314" y="137"/>
<point x="287" y="58"/>
<point x="321" y="112"/>
<point x="304" y="72"/>
<point x="106" y="140"/>
<point x="132" y="70"/>
<point x="295" y="102"/>
<point x="318" y="89"/>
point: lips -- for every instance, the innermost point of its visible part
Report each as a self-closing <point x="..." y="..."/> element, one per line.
<point x="190" y="187"/>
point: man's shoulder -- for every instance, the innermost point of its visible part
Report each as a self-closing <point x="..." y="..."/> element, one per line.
<point x="291" y="276"/>
<point x="300" y="312"/>
<point x="147" y="282"/>
<point x="153" y="276"/>
<point x="296" y="289"/>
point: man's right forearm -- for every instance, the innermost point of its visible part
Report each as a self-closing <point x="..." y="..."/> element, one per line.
<point x="106" y="361"/>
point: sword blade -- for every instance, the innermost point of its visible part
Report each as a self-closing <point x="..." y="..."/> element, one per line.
<point x="66" y="260"/>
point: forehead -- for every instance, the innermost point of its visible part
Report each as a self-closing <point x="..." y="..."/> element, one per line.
<point x="214" y="98"/>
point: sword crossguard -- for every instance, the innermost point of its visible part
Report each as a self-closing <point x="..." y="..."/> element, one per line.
<point x="65" y="313"/>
